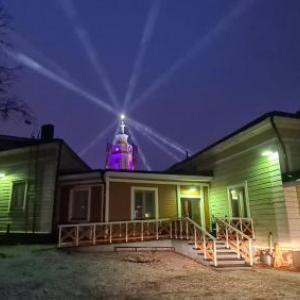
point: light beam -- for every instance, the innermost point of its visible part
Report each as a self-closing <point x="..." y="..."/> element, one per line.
<point x="160" y="137"/>
<point x="82" y="35"/>
<point x="140" y="151"/>
<point x="146" y="37"/>
<point x="37" y="67"/>
<point x="158" y="144"/>
<point x="220" y="27"/>
<point x="100" y="136"/>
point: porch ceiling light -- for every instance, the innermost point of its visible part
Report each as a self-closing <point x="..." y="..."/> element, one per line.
<point x="192" y="189"/>
<point x="2" y="175"/>
<point x="272" y="155"/>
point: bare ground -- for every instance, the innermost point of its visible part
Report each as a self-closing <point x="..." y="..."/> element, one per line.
<point x="39" y="272"/>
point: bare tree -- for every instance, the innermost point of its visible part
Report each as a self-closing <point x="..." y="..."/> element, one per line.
<point x="10" y="105"/>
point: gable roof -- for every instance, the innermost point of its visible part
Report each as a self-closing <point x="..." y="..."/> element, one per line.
<point x="13" y="142"/>
<point x="236" y="132"/>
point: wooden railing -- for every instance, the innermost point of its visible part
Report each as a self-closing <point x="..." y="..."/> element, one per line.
<point x="74" y="235"/>
<point x="235" y="239"/>
<point x="245" y="225"/>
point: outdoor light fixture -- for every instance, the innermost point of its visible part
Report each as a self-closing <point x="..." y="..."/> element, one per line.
<point x="192" y="189"/>
<point x="2" y="175"/>
<point x="272" y="155"/>
<point x="122" y="117"/>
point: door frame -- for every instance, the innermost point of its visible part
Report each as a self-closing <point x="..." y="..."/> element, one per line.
<point x="239" y="185"/>
<point x="201" y="202"/>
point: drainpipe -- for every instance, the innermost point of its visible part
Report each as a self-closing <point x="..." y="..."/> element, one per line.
<point x="55" y="196"/>
<point x="281" y="144"/>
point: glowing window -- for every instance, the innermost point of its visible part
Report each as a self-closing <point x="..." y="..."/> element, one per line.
<point x="144" y="204"/>
<point x="18" y="196"/>
<point x="79" y="205"/>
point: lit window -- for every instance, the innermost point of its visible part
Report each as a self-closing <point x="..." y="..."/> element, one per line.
<point x="18" y="196"/>
<point x="79" y="205"/>
<point x="144" y="204"/>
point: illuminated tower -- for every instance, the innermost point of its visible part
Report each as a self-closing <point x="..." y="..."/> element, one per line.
<point x="120" y="155"/>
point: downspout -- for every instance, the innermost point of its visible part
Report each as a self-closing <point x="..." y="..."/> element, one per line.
<point x="37" y="189"/>
<point x="55" y="198"/>
<point x="282" y="145"/>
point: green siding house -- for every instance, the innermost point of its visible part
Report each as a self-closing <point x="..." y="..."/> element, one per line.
<point x="29" y="169"/>
<point x="256" y="175"/>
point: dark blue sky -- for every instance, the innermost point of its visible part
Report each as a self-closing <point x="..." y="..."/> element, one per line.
<point x="251" y="68"/>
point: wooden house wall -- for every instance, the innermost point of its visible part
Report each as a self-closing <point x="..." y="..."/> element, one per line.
<point x="265" y="193"/>
<point x="120" y="200"/>
<point x="292" y="198"/>
<point x="37" y="166"/>
<point x="96" y="204"/>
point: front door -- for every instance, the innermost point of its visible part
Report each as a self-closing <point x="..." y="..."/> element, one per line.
<point x="190" y="207"/>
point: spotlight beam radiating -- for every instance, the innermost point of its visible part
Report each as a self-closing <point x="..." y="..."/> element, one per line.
<point x="220" y="27"/>
<point x="70" y="11"/>
<point x="158" y="144"/>
<point x="160" y="137"/>
<point x="141" y="152"/>
<point x="37" y="67"/>
<point x="100" y="136"/>
<point x="146" y="37"/>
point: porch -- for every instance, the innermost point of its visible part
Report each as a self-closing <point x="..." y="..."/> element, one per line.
<point x="229" y="248"/>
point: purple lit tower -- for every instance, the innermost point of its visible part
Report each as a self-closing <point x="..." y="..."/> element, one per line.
<point x="120" y="155"/>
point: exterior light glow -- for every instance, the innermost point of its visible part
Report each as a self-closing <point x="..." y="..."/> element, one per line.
<point x="192" y="189"/>
<point x="271" y="155"/>
<point x="122" y="117"/>
<point x="2" y="175"/>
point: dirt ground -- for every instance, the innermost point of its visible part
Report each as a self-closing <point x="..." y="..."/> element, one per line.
<point x="41" y="272"/>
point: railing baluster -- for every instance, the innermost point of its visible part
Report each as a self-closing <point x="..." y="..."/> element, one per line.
<point x="77" y="235"/>
<point x="110" y="233"/>
<point x="238" y="245"/>
<point x="180" y="224"/>
<point x="241" y="225"/>
<point x="187" y="229"/>
<point x="215" y="253"/>
<point x="94" y="234"/>
<point x="171" y="233"/>
<point x="250" y="252"/>
<point x="175" y="229"/>
<point x="142" y="231"/>
<point x="126" y="232"/>
<point x="59" y="236"/>
<point x="195" y="237"/>
<point x="226" y="233"/>
<point x="204" y="246"/>
<point x="157" y="230"/>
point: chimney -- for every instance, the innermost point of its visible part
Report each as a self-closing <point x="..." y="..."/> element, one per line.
<point x="47" y="132"/>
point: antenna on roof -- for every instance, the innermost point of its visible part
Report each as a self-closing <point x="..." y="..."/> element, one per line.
<point x="187" y="154"/>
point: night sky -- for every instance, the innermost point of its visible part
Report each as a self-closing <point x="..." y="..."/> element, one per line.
<point x="250" y="68"/>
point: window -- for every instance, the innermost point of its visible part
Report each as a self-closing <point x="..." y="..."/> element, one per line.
<point x="238" y="201"/>
<point x="79" y="209"/>
<point x="144" y="203"/>
<point x="18" y="196"/>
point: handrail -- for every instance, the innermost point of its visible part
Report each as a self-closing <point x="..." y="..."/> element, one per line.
<point x="239" y="236"/>
<point x="200" y="228"/>
<point x="114" y="222"/>
<point x="205" y="246"/>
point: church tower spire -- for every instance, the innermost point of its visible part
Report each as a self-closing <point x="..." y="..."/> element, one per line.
<point x="121" y="155"/>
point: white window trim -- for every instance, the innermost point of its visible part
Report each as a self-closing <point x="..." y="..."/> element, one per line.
<point x="140" y="188"/>
<point x="25" y="195"/>
<point x="71" y="200"/>
<point x="245" y="186"/>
